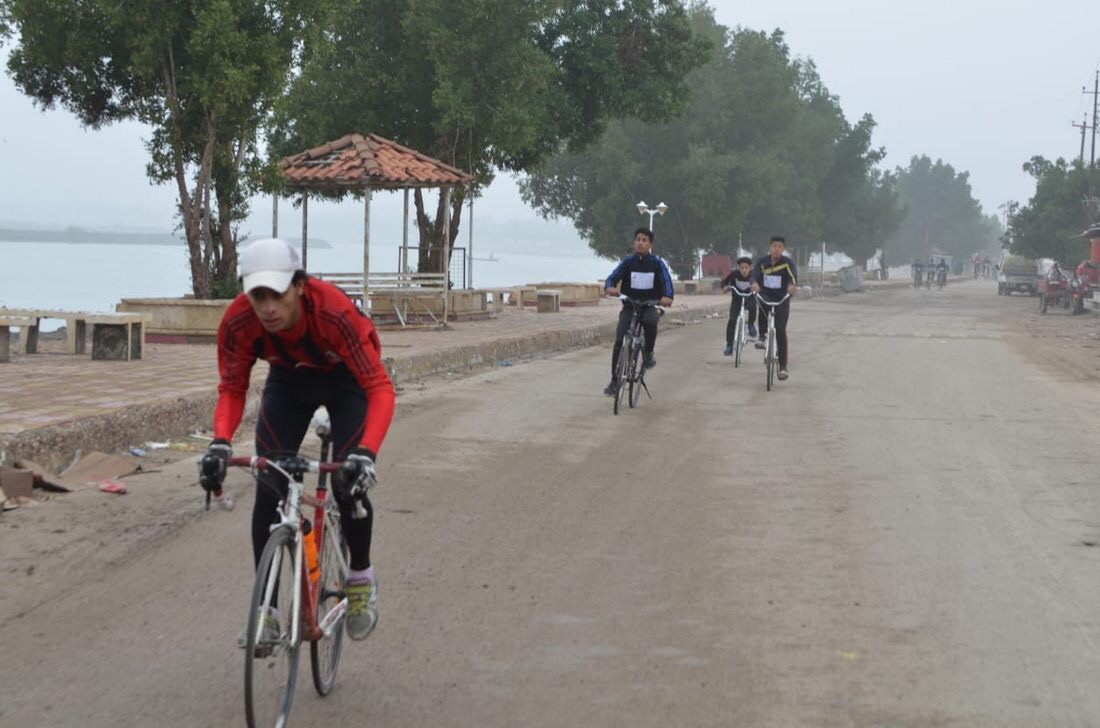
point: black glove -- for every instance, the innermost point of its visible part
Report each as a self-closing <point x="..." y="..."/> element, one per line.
<point x="358" y="470"/>
<point x="213" y="465"/>
<point x="358" y="476"/>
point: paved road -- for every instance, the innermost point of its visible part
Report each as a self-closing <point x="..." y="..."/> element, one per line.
<point x="896" y="536"/>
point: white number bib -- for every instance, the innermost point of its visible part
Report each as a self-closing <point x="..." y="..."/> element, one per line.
<point x="641" y="281"/>
<point x="743" y="285"/>
<point x="773" y="282"/>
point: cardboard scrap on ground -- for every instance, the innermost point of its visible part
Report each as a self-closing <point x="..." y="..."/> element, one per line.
<point x="17" y="487"/>
<point x="96" y="466"/>
<point x="43" y="478"/>
<point x="86" y="471"/>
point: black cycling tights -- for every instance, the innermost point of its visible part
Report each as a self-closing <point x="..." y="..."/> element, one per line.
<point x="289" y="401"/>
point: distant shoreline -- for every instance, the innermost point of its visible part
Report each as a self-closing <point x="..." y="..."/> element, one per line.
<point x="81" y="236"/>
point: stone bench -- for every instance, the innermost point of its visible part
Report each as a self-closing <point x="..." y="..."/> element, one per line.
<point x="496" y="298"/>
<point x="115" y="337"/>
<point x="120" y="336"/>
<point x="548" y="301"/>
<point x="6" y="322"/>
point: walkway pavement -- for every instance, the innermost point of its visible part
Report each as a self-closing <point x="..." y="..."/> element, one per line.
<point x="53" y="388"/>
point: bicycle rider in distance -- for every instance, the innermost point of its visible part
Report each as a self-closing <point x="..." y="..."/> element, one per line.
<point x="739" y="278"/>
<point x="322" y="351"/>
<point x="643" y="277"/>
<point x="773" y="274"/>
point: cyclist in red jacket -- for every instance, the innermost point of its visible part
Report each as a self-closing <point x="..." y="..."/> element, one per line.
<point x="322" y="351"/>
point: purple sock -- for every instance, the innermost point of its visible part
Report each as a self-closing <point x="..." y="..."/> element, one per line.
<point x="360" y="576"/>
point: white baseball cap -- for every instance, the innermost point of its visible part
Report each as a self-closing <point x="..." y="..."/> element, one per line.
<point x="269" y="263"/>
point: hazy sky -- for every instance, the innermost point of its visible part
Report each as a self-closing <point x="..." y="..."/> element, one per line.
<point x="983" y="86"/>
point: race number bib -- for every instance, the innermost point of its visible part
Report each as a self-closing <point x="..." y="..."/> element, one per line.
<point x="743" y="285"/>
<point x="773" y="282"/>
<point x="641" y="281"/>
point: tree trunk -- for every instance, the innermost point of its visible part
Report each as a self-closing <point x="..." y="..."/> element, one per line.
<point x="430" y="229"/>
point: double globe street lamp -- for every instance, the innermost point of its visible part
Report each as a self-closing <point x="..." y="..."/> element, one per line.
<point x="645" y="209"/>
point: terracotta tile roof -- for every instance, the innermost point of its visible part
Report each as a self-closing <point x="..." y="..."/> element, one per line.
<point x="356" y="161"/>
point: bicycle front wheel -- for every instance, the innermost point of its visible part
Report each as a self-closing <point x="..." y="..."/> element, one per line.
<point x="324" y="654"/>
<point x="624" y="371"/>
<point x="770" y="359"/>
<point x="635" y="374"/>
<point x="271" y="651"/>
<point x="738" y="343"/>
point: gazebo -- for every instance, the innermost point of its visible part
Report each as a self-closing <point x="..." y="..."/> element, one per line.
<point x="364" y="163"/>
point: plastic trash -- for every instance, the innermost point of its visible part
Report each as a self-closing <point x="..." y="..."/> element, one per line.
<point x="139" y="452"/>
<point x="110" y="485"/>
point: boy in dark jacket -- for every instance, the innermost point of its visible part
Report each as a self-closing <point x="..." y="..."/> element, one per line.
<point x="739" y="280"/>
<point x="643" y="277"/>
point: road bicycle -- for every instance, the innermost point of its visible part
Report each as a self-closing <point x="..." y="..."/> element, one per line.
<point x="771" y="343"/>
<point x="299" y="592"/>
<point x="741" y="327"/>
<point x="941" y="278"/>
<point x="630" y="376"/>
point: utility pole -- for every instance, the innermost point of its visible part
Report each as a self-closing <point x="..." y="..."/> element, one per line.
<point x="1092" y="154"/>
<point x="1083" y="126"/>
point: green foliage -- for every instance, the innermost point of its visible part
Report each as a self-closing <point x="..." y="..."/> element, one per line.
<point x="941" y="213"/>
<point x="763" y="148"/>
<point x="203" y="74"/>
<point x="1049" y="226"/>
<point x="486" y="84"/>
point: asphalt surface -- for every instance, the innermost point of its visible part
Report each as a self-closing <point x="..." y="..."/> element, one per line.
<point x="902" y="534"/>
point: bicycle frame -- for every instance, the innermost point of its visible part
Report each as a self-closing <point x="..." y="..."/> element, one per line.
<point x="771" y="352"/>
<point x="635" y="333"/>
<point x="742" y="324"/>
<point x="292" y="517"/>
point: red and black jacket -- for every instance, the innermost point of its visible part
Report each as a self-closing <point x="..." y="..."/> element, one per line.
<point x="330" y="332"/>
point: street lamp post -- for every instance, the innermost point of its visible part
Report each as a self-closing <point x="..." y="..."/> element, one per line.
<point x="645" y="209"/>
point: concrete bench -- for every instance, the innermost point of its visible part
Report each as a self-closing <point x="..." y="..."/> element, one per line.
<point x="496" y="298"/>
<point x="107" y="328"/>
<point x="6" y="322"/>
<point x="115" y="337"/>
<point x="548" y="301"/>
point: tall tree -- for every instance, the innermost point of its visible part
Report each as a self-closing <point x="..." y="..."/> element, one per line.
<point x="203" y="74"/>
<point x="486" y="84"/>
<point x="1049" y="226"/>
<point x="762" y="148"/>
<point x="941" y="212"/>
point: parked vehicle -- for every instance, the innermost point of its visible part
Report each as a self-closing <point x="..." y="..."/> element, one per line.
<point x="1018" y="274"/>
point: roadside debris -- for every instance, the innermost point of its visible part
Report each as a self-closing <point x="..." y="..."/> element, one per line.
<point x="109" y="485"/>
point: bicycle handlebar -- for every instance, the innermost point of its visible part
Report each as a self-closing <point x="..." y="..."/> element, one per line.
<point x="292" y="465"/>
<point x="771" y="304"/>
<point x="635" y="302"/>
<point x="750" y="294"/>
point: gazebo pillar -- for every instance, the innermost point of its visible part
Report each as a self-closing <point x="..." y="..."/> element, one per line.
<point x="366" y="251"/>
<point x="405" y="237"/>
<point x="446" y="253"/>
<point x="305" y="231"/>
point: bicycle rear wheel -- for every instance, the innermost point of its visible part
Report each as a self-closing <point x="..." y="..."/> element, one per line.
<point x="271" y="654"/>
<point x="624" y="369"/>
<point x="324" y="654"/>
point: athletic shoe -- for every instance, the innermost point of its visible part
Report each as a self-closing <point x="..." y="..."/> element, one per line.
<point x="783" y="375"/>
<point x="752" y="331"/>
<point x="223" y="502"/>
<point x="612" y="389"/>
<point x="728" y="350"/>
<point x="362" y="608"/>
<point x="759" y="343"/>
<point x="648" y="362"/>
